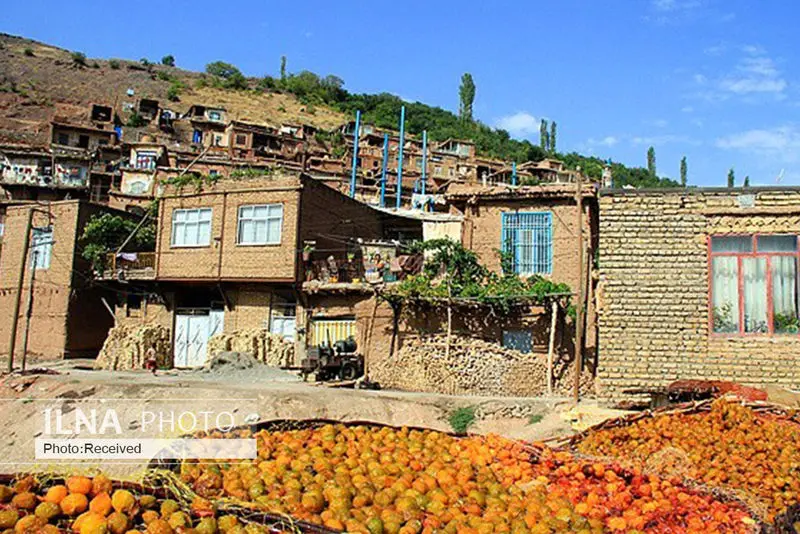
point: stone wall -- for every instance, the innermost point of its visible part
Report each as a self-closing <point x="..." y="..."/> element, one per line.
<point x="653" y="295"/>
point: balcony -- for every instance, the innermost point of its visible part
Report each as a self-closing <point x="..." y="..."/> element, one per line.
<point x="130" y="266"/>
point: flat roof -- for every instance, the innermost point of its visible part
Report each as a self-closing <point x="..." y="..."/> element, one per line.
<point x="618" y="191"/>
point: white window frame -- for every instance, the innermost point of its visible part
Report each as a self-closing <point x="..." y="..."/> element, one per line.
<point x="204" y="215"/>
<point x="241" y="219"/>
<point x="42" y="245"/>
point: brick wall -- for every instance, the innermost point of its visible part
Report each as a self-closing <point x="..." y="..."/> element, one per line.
<point x="653" y="296"/>
<point x="223" y="258"/>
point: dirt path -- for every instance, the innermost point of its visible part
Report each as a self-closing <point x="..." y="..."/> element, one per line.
<point x="131" y="395"/>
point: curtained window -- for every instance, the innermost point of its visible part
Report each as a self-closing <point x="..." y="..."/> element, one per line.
<point x="754" y="284"/>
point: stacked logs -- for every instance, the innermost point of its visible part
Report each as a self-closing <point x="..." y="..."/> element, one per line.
<point x="474" y="367"/>
<point x="264" y="346"/>
<point x="126" y="347"/>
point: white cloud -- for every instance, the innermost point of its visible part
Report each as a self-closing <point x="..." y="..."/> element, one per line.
<point x="661" y="123"/>
<point x="608" y="140"/>
<point x="687" y="109"/>
<point x="782" y="142"/>
<point x="668" y="6"/>
<point x="699" y="79"/>
<point x="521" y="123"/>
<point x="662" y="139"/>
<point x="755" y="74"/>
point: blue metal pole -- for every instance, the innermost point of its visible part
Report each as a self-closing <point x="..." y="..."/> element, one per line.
<point x="355" y="154"/>
<point x="514" y="173"/>
<point x="383" y="170"/>
<point x="400" y="155"/>
<point x="424" y="158"/>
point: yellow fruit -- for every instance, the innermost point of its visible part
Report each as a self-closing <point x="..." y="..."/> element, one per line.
<point x="123" y="501"/>
<point x="149" y="516"/>
<point x="30" y="524"/>
<point x="74" y="504"/>
<point x="168" y="507"/>
<point x="117" y="523"/>
<point x="93" y="523"/>
<point x="5" y="494"/>
<point x="47" y="510"/>
<point x="179" y="519"/>
<point x="207" y="525"/>
<point x="8" y="518"/>
<point x="147" y="501"/>
<point x="227" y="522"/>
<point x="159" y="526"/>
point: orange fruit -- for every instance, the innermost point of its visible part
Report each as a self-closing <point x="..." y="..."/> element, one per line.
<point x="74" y="504"/>
<point x="101" y="484"/>
<point x="123" y="501"/>
<point x="24" y="501"/>
<point x="79" y="484"/>
<point x="56" y="494"/>
<point x="101" y="504"/>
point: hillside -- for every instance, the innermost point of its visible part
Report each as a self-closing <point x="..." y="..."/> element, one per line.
<point x="39" y="81"/>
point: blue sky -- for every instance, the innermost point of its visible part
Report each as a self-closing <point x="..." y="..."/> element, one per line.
<point x="710" y="79"/>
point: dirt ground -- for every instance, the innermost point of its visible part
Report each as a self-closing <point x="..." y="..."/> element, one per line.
<point x="25" y="400"/>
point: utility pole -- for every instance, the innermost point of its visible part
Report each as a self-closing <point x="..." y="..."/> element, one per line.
<point x="354" y="172"/>
<point x="12" y="342"/>
<point x="400" y="156"/>
<point x="29" y="313"/>
<point x="581" y="292"/>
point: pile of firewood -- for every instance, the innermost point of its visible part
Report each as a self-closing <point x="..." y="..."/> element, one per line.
<point x="473" y="367"/>
<point x="264" y="346"/>
<point x="126" y="347"/>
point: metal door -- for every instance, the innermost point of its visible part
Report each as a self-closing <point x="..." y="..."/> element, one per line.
<point x="284" y="326"/>
<point x="192" y="330"/>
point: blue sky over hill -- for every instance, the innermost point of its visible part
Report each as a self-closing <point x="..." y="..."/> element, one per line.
<point x="710" y="79"/>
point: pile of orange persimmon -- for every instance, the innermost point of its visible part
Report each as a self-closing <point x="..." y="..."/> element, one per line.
<point x="730" y="446"/>
<point x="92" y="506"/>
<point x="381" y="480"/>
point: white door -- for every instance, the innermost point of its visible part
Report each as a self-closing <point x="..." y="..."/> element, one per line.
<point x="192" y="331"/>
<point x="284" y="326"/>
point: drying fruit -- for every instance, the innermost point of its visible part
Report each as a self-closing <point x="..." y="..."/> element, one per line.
<point x="56" y="494"/>
<point x="47" y="510"/>
<point x="74" y="504"/>
<point x="101" y="484"/>
<point x="168" y="507"/>
<point x="123" y="501"/>
<point x="117" y="523"/>
<point x="30" y="524"/>
<point x="24" y="501"/>
<point x="101" y="504"/>
<point x="159" y="526"/>
<point x="381" y="480"/>
<point x="6" y="494"/>
<point x="730" y="446"/>
<point x="147" y="501"/>
<point x="91" y="523"/>
<point x="79" y="484"/>
<point x="8" y="518"/>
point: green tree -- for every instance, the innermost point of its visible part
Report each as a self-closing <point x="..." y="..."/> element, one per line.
<point x="466" y="95"/>
<point x="222" y="69"/>
<point x="544" y="137"/>
<point x="283" y="67"/>
<point x="651" y="161"/>
<point x="684" y="171"/>
<point x="168" y="60"/>
<point x="78" y="59"/>
<point x="731" y="178"/>
<point x="747" y="181"/>
<point x="552" y="140"/>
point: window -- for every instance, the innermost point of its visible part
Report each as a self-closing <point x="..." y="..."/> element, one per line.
<point x="528" y="241"/>
<point x="214" y="116"/>
<point x="753" y="283"/>
<point x="145" y="159"/>
<point x="41" y="247"/>
<point x="191" y="228"/>
<point x="241" y="139"/>
<point x="63" y="139"/>
<point x="217" y="140"/>
<point x="520" y="340"/>
<point x="260" y="224"/>
<point x="83" y="141"/>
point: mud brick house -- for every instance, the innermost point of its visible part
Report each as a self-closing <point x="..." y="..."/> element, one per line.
<point x="229" y="256"/>
<point x="68" y="318"/>
<point x="698" y="283"/>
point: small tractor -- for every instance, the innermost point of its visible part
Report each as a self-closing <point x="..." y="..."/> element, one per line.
<point x="340" y="361"/>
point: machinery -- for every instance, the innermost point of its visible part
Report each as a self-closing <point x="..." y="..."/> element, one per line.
<point x="340" y="361"/>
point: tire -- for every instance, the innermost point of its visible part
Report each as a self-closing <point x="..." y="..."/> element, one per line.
<point x="348" y="372"/>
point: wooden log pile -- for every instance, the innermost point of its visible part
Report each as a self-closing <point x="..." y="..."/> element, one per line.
<point x="126" y="347"/>
<point x="473" y="367"/>
<point x="271" y="349"/>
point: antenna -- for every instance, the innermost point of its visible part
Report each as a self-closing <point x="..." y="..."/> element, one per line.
<point x="780" y="176"/>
